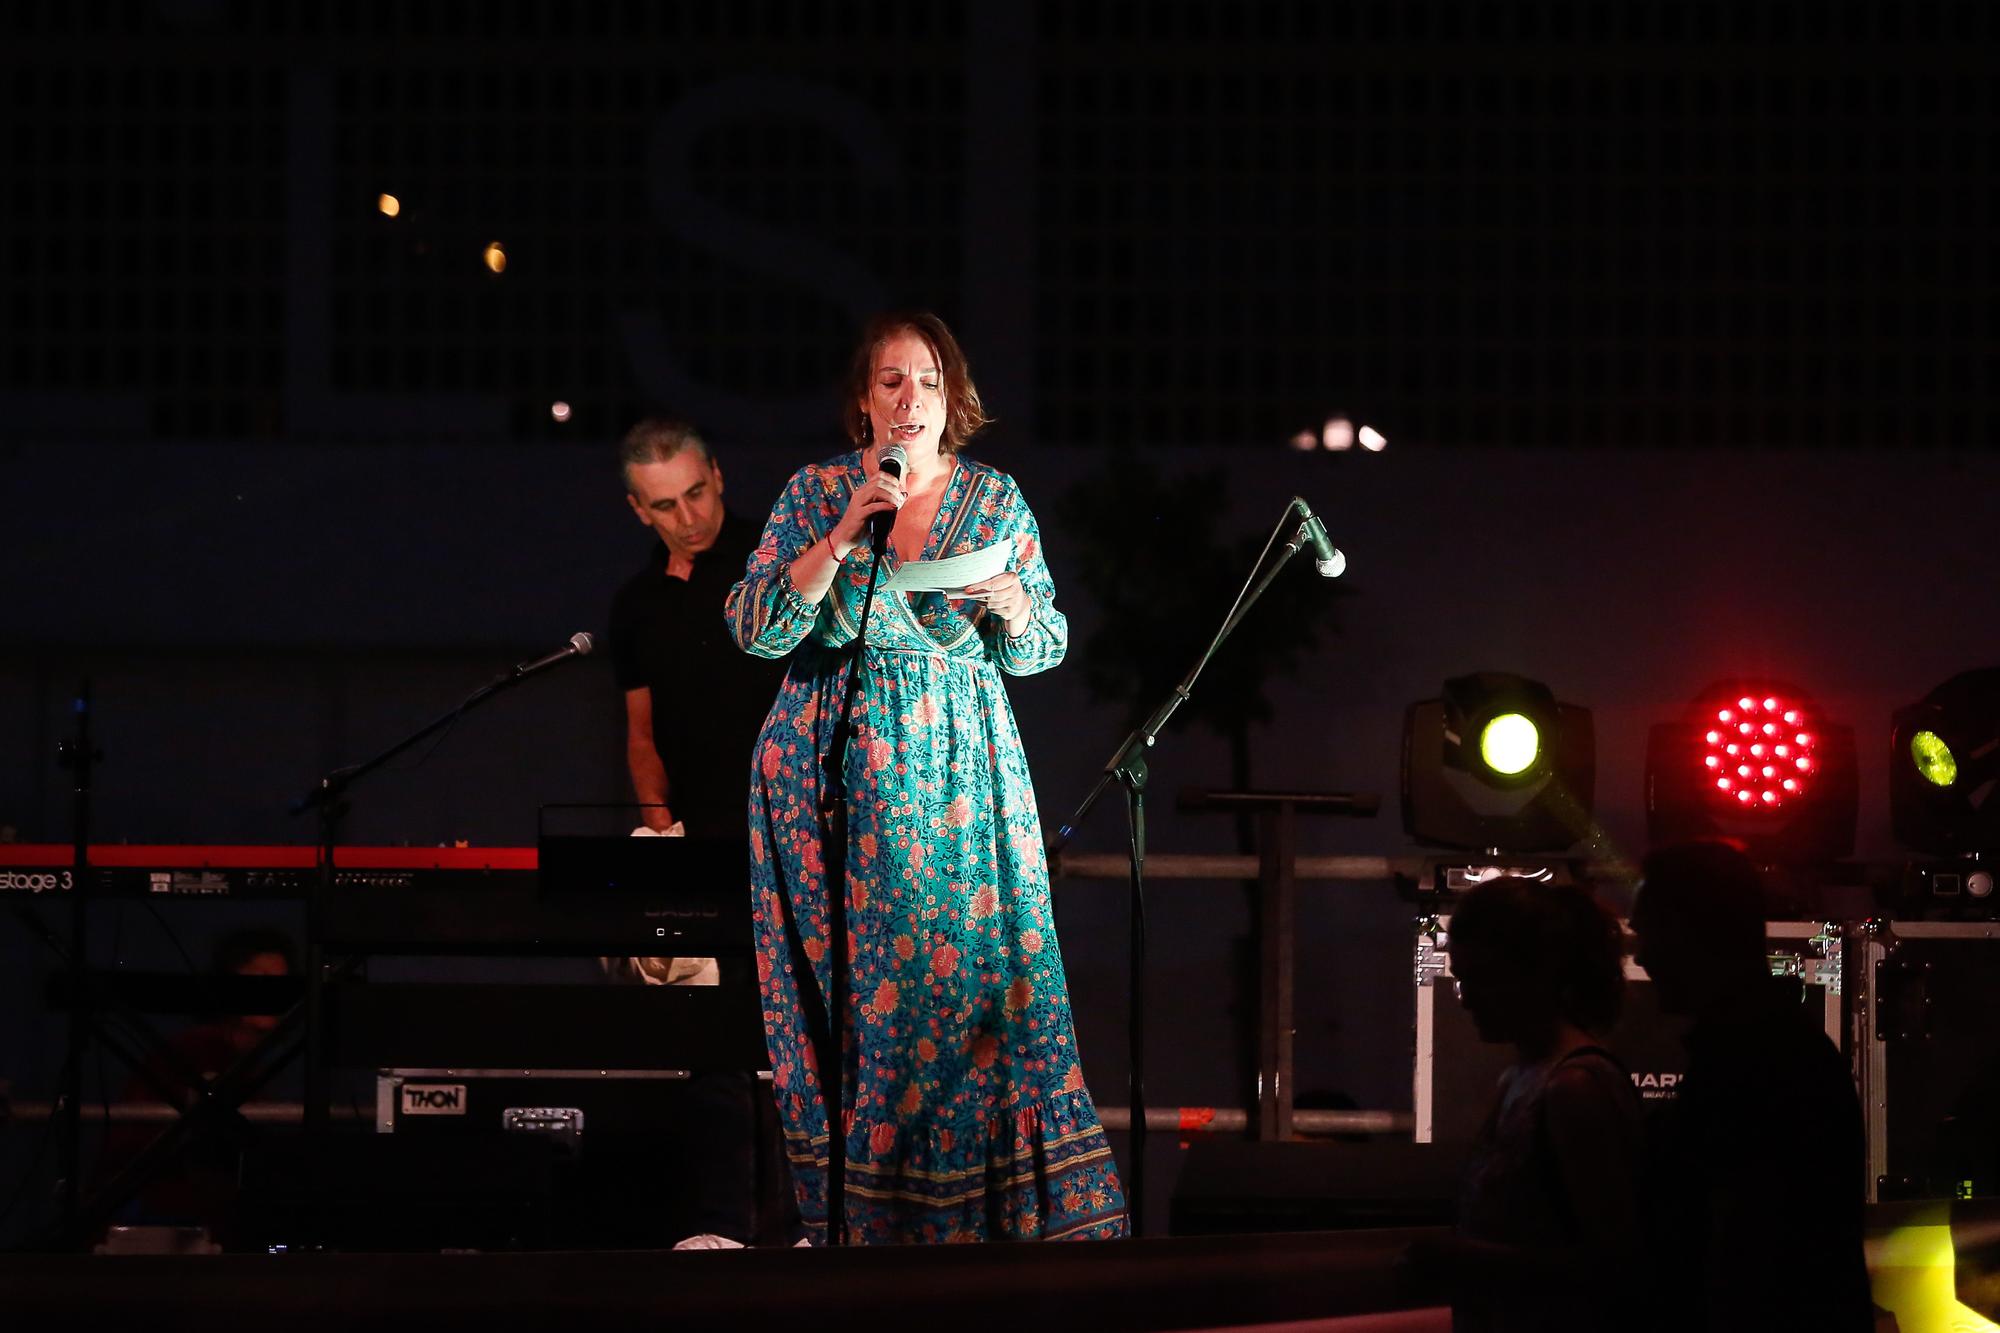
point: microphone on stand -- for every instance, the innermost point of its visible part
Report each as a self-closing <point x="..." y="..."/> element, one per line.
<point x="894" y="460"/>
<point x="327" y="794"/>
<point x="579" y="645"/>
<point x="1327" y="558"/>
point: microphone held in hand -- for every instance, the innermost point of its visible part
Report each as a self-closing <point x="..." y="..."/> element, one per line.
<point x="1327" y="558"/>
<point x="579" y="645"/>
<point x="894" y="460"/>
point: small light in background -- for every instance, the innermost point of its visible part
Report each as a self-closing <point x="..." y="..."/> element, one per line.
<point x="1373" y="440"/>
<point x="1338" y="433"/>
<point x="1305" y="441"/>
<point x="389" y="205"/>
<point x="559" y="410"/>
<point x="496" y="257"/>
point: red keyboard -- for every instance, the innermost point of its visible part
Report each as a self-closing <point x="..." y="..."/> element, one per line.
<point x="171" y="856"/>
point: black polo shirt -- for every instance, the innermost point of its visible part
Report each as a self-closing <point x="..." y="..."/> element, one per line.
<point x="709" y="696"/>
<point x="1755" y="1177"/>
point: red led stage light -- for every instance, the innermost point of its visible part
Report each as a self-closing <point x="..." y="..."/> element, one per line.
<point x="1758" y="763"/>
<point x="1761" y="752"/>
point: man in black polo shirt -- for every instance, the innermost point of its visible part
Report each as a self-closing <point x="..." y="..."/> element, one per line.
<point x="693" y="706"/>
<point x="693" y="701"/>
<point x="1755" y="1188"/>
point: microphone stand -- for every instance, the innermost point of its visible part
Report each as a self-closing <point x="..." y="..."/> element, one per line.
<point x="831" y="1053"/>
<point x="1127" y="768"/>
<point x="327" y="801"/>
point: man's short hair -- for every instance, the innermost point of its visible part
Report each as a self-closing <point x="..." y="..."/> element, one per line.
<point x="234" y="950"/>
<point x="655" y="440"/>
<point x="1710" y="883"/>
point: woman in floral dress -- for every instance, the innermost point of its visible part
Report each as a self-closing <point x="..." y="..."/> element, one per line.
<point x="966" y="1116"/>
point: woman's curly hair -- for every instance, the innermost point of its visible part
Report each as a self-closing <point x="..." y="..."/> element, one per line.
<point x="1556" y="933"/>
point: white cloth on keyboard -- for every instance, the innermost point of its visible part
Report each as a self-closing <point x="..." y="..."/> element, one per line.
<point x="664" y="971"/>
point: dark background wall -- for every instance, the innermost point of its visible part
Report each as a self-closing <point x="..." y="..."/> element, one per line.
<point x="1680" y="320"/>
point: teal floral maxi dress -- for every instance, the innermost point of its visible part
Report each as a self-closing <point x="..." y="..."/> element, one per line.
<point x="967" y="1116"/>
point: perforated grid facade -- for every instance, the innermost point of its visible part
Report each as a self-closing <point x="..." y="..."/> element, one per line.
<point x="1763" y="222"/>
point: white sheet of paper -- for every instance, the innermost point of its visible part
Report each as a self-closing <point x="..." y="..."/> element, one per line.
<point x="953" y="574"/>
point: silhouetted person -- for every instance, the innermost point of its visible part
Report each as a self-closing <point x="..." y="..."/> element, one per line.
<point x="1548" y="1223"/>
<point x="1755" y="1190"/>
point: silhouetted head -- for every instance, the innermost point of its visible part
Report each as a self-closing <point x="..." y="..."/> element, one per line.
<point x="255" y="951"/>
<point x="1529" y="956"/>
<point x="1700" y="922"/>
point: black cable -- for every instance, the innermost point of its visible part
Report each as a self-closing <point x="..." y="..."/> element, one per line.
<point x="104" y="1081"/>
<point x="172" y="938"/>
<point x="103" y="1089"/>
<point x="20" y="1191"/>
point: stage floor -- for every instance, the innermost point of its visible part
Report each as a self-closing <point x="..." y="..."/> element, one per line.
<point x="1346" y="1281"/>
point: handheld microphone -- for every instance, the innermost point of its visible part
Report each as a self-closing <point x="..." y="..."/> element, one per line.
<point x="579" y="645"/>
<point x="893" y="459"/>
<point x="1327" y="558"/>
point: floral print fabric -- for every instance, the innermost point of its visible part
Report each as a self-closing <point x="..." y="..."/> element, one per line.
<point x="967" y="1117"/>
